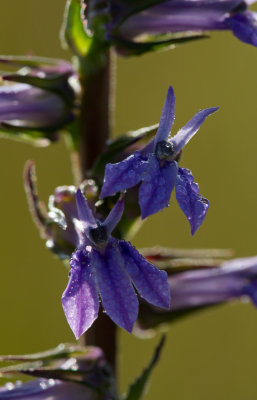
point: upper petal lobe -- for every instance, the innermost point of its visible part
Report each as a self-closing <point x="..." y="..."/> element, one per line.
<point x="189" y="130"/>
<point x="167" y="118"/>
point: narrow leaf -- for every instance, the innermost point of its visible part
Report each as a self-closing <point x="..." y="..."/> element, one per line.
<point x="61" y="351"/>
<point x="127" y="47"/>
<point x="29" y="61"/>
<point x="137" y="389"/>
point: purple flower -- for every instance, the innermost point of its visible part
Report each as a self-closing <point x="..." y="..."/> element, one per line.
<point x="25" y="106"/>
<point x="233" y="279"/>
<point x="156" y="169"/>
<point x="110" y="268"/>
<point x="200" y="288"/>
<point x="131" y="20"/>
<point x="42" y="99"/>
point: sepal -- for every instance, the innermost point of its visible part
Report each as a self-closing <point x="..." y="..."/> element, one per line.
<point x="127" y="47"/>
<point x="180" y="260"/>
<point x="48" y="65"/>
<point x="63" y="350"/>
<point x="73" y="35"/>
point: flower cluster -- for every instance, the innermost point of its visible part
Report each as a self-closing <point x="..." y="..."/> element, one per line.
<point x="118" y="183"/>
<point x="105" y="267"/>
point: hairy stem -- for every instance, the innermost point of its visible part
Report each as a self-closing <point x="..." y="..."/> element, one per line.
<point x="97" y="112"/>
<point x="103" y="334"/>
<point x="95" y="126"/>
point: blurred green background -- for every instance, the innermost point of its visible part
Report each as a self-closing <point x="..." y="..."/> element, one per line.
<point x="211" y="355"/>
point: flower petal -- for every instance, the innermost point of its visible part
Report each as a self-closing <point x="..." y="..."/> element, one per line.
<point x="155" y="190"/>
<point x="123" y="175"/>
<point x="167" y="118"/>
<point x="244" y="27"/>
<point x="114" y="216"/>
<point x="150" y="282"/>
<point x="193" y="205"/>
<point x="178" y="16"/>
<point x="189" y="130"/>
<point x="118" y="296"/>
<point x="80" y="299"/>
<point x="232" y="279"/>
<point x="84" y="212"/>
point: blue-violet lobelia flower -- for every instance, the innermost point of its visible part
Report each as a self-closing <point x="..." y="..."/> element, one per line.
<point x="25" y="106"/>
<point x="129" y="20"/>
<point x="107" y="267"/>
<point x="233" y="279"/>
<point x="43" y="98"/>
<point x="156" y="169"/>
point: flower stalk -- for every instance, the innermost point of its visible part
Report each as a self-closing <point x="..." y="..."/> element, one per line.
<point x="97" y="107"/>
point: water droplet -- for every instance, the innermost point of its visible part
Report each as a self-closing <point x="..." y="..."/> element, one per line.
<point x="43" y="385"/>
<point x="9" y="386"/>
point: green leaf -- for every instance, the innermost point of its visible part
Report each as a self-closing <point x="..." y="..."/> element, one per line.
<point x="116" y="148"/>
<point x="137" y="389"/>
<point x="73" y="35"/>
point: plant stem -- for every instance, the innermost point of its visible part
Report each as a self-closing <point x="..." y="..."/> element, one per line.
<point x="103" y="334"/>
<point x="94" y="129"/>
<point x="97" y="112"/>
